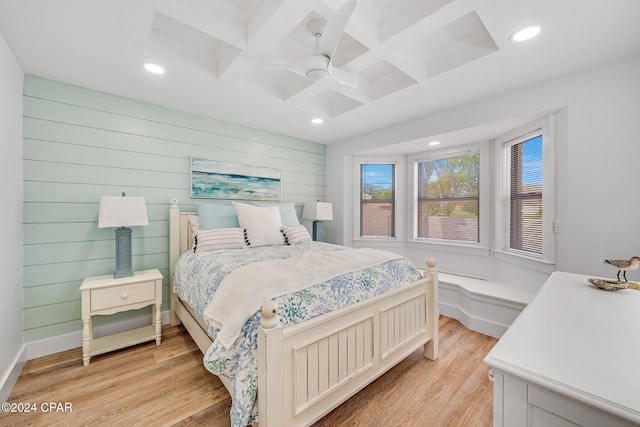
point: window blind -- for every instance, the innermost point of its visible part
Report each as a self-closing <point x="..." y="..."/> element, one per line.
<point x="525" y="196"/>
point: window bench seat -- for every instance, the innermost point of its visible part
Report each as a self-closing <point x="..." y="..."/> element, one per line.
<point x="482" y="305"/>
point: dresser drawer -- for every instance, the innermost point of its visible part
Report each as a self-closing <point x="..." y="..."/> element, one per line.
<point x="118" y="296"/>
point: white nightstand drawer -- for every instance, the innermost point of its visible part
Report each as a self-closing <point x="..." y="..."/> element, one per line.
<point x="122" y="295"/>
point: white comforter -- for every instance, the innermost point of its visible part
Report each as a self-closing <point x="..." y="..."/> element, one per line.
<point x="243" y="291"/>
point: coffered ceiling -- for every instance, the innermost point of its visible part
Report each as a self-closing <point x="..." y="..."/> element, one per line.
<point x="227" y="58"/>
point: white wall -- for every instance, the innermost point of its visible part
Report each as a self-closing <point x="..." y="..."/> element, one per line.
<point x="597" y="139"/>
<point x="11" y="341"/>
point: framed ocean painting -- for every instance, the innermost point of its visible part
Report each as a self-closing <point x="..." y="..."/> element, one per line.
<point x="211" y="179"/>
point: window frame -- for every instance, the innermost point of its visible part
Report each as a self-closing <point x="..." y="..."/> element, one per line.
<point x="482" y="246"/>
<point x="398" y="193"/>
<point x="447" y="199"/>
<point x="503" y="144"/>
<point x="513" y="194"/>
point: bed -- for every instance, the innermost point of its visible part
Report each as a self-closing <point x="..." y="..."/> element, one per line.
<point x="306" y="369"/>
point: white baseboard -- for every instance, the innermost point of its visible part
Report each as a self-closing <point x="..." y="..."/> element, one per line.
<point x="65" y="342"/>
<point x="480" y="305"/>
<point x="11" y="376"/>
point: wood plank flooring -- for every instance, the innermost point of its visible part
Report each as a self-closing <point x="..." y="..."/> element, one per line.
<point x="167" y="385"/>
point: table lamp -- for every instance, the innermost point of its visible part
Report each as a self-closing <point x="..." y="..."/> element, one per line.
<point x="122" y="213"/>
<point x="318" y="212"/>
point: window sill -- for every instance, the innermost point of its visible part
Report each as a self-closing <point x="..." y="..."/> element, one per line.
<point x="459" y="248"/>
<point x="382" y="242"/>
<point x="524" y="261"/>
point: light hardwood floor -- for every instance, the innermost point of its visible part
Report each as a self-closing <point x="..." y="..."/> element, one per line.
<point x="167" y="385"/>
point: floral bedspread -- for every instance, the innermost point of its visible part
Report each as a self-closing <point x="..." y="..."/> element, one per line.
<point x="197" y="276"/>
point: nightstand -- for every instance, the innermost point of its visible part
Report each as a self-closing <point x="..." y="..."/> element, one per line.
<point x="103" y="295"/>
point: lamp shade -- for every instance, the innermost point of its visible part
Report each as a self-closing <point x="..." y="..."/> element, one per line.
<point x="318" y="211"/>
<point x="122" y="212"/>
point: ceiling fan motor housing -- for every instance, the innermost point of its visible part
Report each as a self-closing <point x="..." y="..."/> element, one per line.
<point x="318" y="68"/>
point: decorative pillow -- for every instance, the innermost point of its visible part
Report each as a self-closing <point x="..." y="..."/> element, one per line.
<point x="288" y="214"/>
<point x="262" y="224"/>
<point x="295" y="235"/>
<point x="216" y="215"/>
<point x="221" y="238"/>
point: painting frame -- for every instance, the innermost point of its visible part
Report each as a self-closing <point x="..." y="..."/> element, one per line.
<point x="214" y="179"/>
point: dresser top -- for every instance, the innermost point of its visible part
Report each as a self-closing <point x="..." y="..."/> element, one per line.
<point x="578" y="340"/>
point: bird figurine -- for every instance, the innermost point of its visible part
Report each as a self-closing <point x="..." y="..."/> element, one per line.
<point x="624" y="265"/>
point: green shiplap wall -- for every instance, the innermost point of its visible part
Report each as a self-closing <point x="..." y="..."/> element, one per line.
<point x="80" y="144"/>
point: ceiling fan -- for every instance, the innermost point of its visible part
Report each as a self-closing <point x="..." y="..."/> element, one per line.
<point x="327" y="34"/>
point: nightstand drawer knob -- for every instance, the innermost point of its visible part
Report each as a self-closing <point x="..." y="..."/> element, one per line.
<point x="125" y="296"/>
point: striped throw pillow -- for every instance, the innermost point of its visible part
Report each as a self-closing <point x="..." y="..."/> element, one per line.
<point x="295" y="235"/>
<point x="221" y="238"/>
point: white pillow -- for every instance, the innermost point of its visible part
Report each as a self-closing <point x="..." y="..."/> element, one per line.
<point x="262" y="224"/>
<point x="295" y="235"/>
<point x="288" y="214"/>
<point x="221" y="238"/>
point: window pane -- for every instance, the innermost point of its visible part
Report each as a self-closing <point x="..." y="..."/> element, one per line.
<point x="453" y="220"/>
<point x="530" y="177"/>
<point x="377" y="219"/>
<point x="527" y="231"/>
<point x="377" y="200"/>
<point x="448" y="200"/>
<point x="525" y="205"/>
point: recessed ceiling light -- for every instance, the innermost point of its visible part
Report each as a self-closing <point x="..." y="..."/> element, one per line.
<point x="317" y="121"/>
<point x="434" y="143"/>
<point x="153" y="68"/>
<point x="525" y="34"/>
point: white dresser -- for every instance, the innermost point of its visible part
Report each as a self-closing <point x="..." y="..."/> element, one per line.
<point x="571" y="358"/>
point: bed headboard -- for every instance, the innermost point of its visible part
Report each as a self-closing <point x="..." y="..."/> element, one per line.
<point x="180" y="234"/>
<point x="180" y="239"/>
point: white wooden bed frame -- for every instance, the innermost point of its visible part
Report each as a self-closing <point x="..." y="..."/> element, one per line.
<point x="308" y="369"/>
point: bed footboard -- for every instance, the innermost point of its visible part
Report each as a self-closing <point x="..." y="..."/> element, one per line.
<point x="306" y="370"/>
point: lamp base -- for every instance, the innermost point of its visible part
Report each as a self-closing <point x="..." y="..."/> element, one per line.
<point x="123" y="253"/>
<point x="317" y="231"/>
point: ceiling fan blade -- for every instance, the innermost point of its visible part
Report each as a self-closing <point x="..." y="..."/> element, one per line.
<point x="299" y="67"/>
<point x="334" y="29"/>
<point x="346" y="78"/>
<point x="272" y="66"/>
